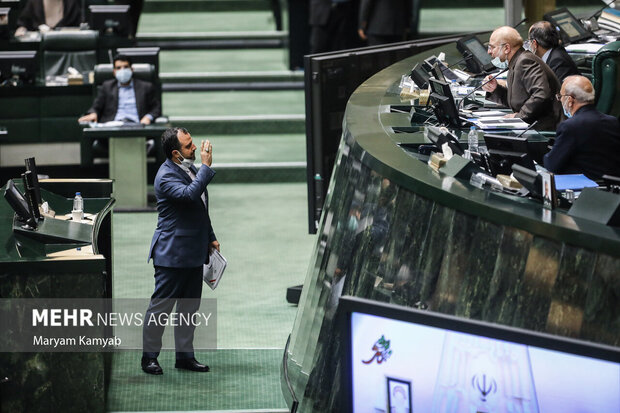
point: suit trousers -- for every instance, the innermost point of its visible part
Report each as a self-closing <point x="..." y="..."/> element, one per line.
<point x="180" y="286"/>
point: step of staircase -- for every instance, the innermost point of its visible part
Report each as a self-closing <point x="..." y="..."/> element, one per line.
<point x="213" y="40"/>
<point x="167" y="6"/>
<point x="260" y="172"/>
<point x="241" y="124"/>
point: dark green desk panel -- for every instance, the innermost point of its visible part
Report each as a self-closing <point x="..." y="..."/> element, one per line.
<point x="43" y="382"/>
<point x="431" y="241"/>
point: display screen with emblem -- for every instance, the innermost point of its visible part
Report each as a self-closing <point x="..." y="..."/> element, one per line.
<point x="399" y="359"/>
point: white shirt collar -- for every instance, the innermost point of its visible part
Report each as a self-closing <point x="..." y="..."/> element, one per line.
<point x="546" y="55"/>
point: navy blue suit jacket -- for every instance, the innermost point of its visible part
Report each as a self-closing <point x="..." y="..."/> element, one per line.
<point x="184" y="230"/>
<point x="588" y="143"/>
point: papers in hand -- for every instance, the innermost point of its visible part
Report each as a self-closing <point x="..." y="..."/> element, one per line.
<point x="212" y="272"/>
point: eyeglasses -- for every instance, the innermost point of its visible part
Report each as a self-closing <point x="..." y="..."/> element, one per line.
<point x="491" y="47"/>
<point x="559" y="96"/>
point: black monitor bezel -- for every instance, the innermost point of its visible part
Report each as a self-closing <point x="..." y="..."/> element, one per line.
<point x="348" y="305"/>
<point x="473" y="62"/>
<point x="584" y="34"/>
<point x="28" y="56"/>
<point x="18" y="203"/>
<point x="96" y="11"/>
<point x="420" y="76"/>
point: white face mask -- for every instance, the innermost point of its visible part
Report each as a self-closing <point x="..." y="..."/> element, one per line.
<point x="123" y="75"/>
<point x="497" y="62"/>
<point x="185" y="161"/>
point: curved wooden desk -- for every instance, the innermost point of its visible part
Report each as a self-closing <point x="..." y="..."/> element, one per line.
<point x="393" y="230"/>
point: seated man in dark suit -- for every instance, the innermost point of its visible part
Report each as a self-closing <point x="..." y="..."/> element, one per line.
<point x="45" y="15"/>
<point x="123" y="98"/>
<point x="589" y="141"/>
<point x="531" y="85"/>
<point x="544" y="42"/>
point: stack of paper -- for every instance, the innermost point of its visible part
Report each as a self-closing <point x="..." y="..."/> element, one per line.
<point x="610" y="20"/>
<point x="212" y="272"/>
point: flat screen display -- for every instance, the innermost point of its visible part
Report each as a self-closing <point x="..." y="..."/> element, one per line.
<point x="403" y="366"/>
<point x="570" y="28"/>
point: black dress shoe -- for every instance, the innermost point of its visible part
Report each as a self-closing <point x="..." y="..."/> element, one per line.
<point x="190" y="364"/>
<point x="151" y="366"/>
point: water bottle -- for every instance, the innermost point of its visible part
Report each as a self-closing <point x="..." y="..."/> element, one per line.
<point x="472" y="139"/>
<point x="454" y="88"/>
<point x="78" y="207"/>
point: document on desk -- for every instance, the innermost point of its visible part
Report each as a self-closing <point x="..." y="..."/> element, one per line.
<point x="213" y="271"/>
<point x="498" y="122"/>
<point x="573" y="181"/>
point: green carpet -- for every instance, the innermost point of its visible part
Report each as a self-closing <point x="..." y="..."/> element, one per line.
<point x="234" y="103"/>
<point x="238" y="380"/>
<point x="223" y="21"/>
<point x="262" y="230"/>
<point x="174" y="61"/>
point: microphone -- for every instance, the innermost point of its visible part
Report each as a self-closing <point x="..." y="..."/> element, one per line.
<point x="601" y="9"/>
<point x="520" y="23"/>
<point x="528" y="128"/>
<point x="480" y="86"/>
<point x="468" y="56"/>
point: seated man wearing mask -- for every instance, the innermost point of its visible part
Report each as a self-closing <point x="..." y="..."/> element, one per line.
<point x="531" y="85"/>
<point x="544" y="42"/>
<point x="123" y="98"/>
<point x="589" y="141"/>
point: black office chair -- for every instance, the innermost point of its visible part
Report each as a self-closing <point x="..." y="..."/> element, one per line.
<point x="63" y="49"/>
<point x="606" y="79"/>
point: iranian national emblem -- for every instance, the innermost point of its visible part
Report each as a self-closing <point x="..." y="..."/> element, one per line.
<point x="382" y="351"/>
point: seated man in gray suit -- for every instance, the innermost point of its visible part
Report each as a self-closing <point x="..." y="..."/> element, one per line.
<point x="531" y="85"/>
<point x="123" y="98"/>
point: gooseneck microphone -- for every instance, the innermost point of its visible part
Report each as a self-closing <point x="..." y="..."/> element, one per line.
<point x="468" y="56"/>
<point x="480" y="86"/>
<point x="528" y="128"/>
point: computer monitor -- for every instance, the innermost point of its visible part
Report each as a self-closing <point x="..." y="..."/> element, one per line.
<point x="475" y="53"/>
<point x="443" y="104"/>
<point x="441" y="135"/>
<point x="505" y="151"/>
<point x="400" y="359"/>
<point x="18" y="67"/>
<point x="571" y="30"/>
<point x="437" y="72"/>
<point x="530" y="179"/>
<point x="19" y="204"/>
<point x="33" y="181"/>
<point x="110" y="19"/>
<point x="434" y="66"/>
<point x="419" y="76"/>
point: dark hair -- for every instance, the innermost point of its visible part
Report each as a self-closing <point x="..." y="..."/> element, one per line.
<point x="123" y="58"/>
<point x="545" y="35"/>
<point x="170" y="140"/>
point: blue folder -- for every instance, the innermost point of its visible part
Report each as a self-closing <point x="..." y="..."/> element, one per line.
<point x="577" y="181"/>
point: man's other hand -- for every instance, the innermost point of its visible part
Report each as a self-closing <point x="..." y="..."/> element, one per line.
<point x="145" y="120"/>
<point x="91" y="117"/>
<point x="206" y="153"/>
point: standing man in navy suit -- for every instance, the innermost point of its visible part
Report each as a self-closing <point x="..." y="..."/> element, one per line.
<point x="180" y="246"/>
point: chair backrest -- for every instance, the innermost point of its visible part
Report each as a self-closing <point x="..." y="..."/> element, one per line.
<point x="66" y="48"/>
<point x="606" y="79"/>
<point x="142" y="71"/>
